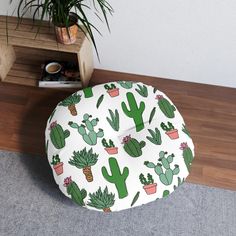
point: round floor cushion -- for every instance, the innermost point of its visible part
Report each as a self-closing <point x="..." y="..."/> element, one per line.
<point x="118" y="145"/>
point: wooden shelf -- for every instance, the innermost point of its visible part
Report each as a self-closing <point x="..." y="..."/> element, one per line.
<point x="23" y="50"/>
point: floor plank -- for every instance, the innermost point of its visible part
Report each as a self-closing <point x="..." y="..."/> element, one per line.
<point x="209" y="111"/>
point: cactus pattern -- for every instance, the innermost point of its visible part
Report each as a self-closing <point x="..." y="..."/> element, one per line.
<point x="155" y="137"/>
<point x="92" y="136"/>
<point x="84" y="160"/>
<point x="58" y="135"/>
<point x="132" y="146"/>
<point x="166" y="193"/>
<point x="88" y="92"/>
<point x="142" y="90"/>
<point x="135" y="112"/>
<point x="165" y="106"/>
<point x="77" y="195"/>
<point x="114" y="119"/>
<point x="187" y="155"/>
<point x="167" y="177"/>
<point x="126" y="84"/>
<point x="117" y="177"/>
<point x="70" y="103"/>
<point x="102" y="200"/>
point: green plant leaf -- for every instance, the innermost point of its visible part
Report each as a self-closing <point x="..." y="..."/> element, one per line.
<point x="152" y="115"/>
<point x="100" y="99"/>
<point x="135" y="198"/>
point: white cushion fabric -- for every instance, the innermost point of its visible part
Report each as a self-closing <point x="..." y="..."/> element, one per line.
<point x="118" y="145"/>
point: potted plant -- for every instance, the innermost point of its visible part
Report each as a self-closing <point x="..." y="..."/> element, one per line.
<point x="102" y="200"/>
<point x="57" y="164"/>
<point x="112" y="90"/>
<point x="170" y="130"/>
<point x="84" y="160"/>
<point x="61" y="15"/>
<point x="149" y="186"/>
<point x="109" y="147"/>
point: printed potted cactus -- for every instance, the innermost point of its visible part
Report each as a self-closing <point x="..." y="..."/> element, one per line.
<point x="109" y="147"/>
<point x="112" y="90"/>
<point x="70" y="103"/>
<point x="102" y="200"/>
<point x="165" y="106"/>
<point x="58" y="135"/>
<point x="164" y="167"/>
<point x="84" y="160"/>
<point x="132" y="146"/>
<point x="170" y="130"/>
<point x="187" y="155"/>
<point x="74" y="191"/>
<point x="57" y="164"/>
<point x="149" y="186"/>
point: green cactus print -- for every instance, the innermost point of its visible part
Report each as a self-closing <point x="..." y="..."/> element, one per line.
<point x="187" y="155"/>
<point x="132" y="146"/>
<point x="99" y="101"/>
<point x="114" y="119"/>
<point x="116" y="141"/>
<point x="84" y="160"/>
<point x="58" y="135"/>
<point x="91" y="136"/>
<point x="155" y="137"/>
<point x="117" y="177"/>
<point x="77" y="195"/>
<point x="166" y="193"/>
<point x="135" y="199"/>
<point x="88" y="92"/>
<point x="165" y="106"/>
<point x="152" y="114"/>
<point x="185" y="130"/>
<point x="102" y="200"/>
<point x="70" y="103"/>
<point x="135" y="112"/>
<point x="126" y="84"/>
<point x="164" y="164"/>
<point x="142" y="90"/>
<point x="180" y="182"/>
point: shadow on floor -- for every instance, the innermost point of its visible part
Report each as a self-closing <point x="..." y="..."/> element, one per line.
<point x="33" y="142"/>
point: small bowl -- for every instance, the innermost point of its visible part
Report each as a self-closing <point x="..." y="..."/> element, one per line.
<point x="53" y="68"/>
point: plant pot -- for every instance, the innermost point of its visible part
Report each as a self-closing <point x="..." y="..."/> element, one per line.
<point x="58" y="168"/>
<point x="150" y="189"/>
<point x="113" y="92"/>
<point x="112" y="150"/>
<point x="173" y="134"/>
<point x="63" y="36"/>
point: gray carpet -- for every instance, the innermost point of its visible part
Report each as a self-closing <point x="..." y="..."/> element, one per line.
<point x="31" y="204"/>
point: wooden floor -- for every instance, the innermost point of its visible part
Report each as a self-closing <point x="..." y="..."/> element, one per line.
<point x="209" y="112"/>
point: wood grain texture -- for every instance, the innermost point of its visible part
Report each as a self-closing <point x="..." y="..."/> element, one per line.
<point x="30" y="44"/>
<point x="28" y="35"/>
<point x="209" y="112"/>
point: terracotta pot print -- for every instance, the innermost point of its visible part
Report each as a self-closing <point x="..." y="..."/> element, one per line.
<point x="62" y="34"/>
<point x="150" y="189"/>
<point x="58" y="168"/>
<point x="113" y="92"/>
<point x="112" y="150"/>
<point x="173" y="134"/>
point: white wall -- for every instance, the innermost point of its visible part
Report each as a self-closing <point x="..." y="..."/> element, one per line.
<point x="179" y="39"/>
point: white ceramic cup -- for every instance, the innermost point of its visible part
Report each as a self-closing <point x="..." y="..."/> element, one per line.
<point x="53" y="67"/>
